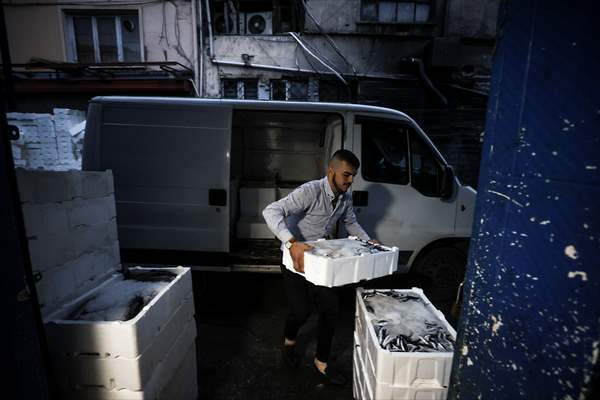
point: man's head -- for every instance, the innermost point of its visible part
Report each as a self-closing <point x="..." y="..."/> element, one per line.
<point x="341" y="171"/>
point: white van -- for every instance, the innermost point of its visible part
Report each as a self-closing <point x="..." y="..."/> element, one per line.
<point x="192" y="177"/>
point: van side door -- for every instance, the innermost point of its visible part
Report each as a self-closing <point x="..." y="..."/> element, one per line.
<point x="170" y="164"/>
<point x="396" y="192"/>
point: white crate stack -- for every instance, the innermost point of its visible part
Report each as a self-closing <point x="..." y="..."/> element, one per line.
<point x="51" y="142"/>
<point x="70" y="222"/>
<point x="384" y="375"/>
<point x="330" y="272"/>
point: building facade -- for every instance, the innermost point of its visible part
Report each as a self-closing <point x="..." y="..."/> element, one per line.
<point x="430" y="58"/>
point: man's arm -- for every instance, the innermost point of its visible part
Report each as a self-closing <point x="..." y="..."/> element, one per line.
<point x="297" y="201"/>
<point x="275" y="213"/>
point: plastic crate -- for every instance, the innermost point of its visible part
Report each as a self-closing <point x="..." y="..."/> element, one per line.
<point x="402" y="369"/>
<point x="164" y="378"/>
<point x="126" y="339"/>
<point x="121" y="372"/>
<point x="325" y="271"/>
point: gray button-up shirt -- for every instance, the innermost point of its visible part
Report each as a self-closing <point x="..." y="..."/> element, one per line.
<point x="307" y="213"/>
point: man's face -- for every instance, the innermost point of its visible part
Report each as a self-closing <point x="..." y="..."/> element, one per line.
<point x="341" y="175"/>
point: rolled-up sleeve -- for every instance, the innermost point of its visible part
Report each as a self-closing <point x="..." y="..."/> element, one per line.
<point x="351" y="223"/>
<point x="275" y="213"/>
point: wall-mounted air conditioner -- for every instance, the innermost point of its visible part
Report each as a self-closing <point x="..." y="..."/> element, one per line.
<point x="259" y="23"/>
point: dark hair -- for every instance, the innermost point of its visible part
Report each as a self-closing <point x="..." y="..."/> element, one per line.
<point x="346" y="155"/>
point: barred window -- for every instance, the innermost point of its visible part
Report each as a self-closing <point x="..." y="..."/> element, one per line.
<point x="390" y="11"/>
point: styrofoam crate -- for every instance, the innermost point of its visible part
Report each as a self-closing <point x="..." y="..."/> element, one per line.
<point x="324" y="271"/>
<point x="358" y="378"/>
<point x="117" y="338"/>
<point x="410" y="369"/>
<point x="370" y="388"/>
<point x="121" y="372"/>
<point x="253" y="228"/>
<point x="253" y="200"/>
<point x="184" y="383"/>
<point x="163" y="377"/>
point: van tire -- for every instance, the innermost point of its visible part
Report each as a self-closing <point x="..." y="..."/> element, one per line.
<point x="440" y="271"/>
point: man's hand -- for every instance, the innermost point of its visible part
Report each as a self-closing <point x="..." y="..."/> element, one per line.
<point x="373" y="241"/>
<point x="297" y="253"/>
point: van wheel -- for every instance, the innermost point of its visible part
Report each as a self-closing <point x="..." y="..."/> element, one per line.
<point x="440" y="272"/>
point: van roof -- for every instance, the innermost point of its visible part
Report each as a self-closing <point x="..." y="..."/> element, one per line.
<point x="252" y="104"/>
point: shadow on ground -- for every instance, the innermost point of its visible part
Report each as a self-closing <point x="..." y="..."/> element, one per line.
<point x="240" y="326"/>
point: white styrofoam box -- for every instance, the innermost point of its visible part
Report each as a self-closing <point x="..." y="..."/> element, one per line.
<point x="253" y="228"/>
<point x="408" y="369"/>
<point x="121" y="372"/>
<point x="53" y="249"/>
<point x="91" y="211"/>
<point x="163" y="377"/>
<point x="358" y="378"/>
<point x="41" y="187"/>
<point x="370" y="388"/>
<point x="253" y="200"/>
<point x="325" y="271"/>
<point x="116" y="338"/>
<point x="68" y="281"/>
<point x="184" y="383"/>
<point x="42" y="219"/>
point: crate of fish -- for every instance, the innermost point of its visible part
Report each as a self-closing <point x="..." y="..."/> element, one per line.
<point x="342" y="261"/>
<point x="120" y="317"/>
<point x="403" y="339"/>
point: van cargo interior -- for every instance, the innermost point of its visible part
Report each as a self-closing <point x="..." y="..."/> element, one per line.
<point x="272" y="153"/>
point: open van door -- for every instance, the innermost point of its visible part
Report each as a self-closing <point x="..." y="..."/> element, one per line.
<point x="170" y="162"/>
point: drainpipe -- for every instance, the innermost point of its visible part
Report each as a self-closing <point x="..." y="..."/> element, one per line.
<point x="426" y="79"/>
<point x="195" y="47"/>
<point x="201" y="48"/>
<point x="211" y="54"/>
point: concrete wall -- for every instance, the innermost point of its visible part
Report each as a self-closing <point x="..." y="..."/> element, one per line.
<point x="472" y="18"/>
<point x="34" y="32"/>
<point x="38" y="31"/>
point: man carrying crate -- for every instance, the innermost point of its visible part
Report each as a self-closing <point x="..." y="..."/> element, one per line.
<point x="312" y="212"/>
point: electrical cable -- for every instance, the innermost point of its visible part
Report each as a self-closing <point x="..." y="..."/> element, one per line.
<point x="329" y="39"/>
<point x="336" y="73"/>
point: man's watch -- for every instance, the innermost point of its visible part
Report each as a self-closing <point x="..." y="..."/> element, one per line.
<point x="288" y="245"/>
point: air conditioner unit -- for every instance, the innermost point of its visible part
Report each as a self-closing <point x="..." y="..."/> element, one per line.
<point x="259" y="23"/>
<point x="233" y="26"/>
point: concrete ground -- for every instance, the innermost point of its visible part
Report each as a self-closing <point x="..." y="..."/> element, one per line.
<point x="240" y="326"/>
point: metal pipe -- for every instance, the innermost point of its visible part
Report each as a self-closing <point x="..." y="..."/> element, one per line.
<point x="308" y="71"/>
<point x="317" y="58"/>
<point x="195" y="46"/>
<point x="426" y="79"/>
<point x="211" y="54"/>
<point x="201" y="50"/>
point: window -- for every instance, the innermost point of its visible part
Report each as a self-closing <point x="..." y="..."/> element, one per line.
<point x="100" y="37"/>
<point x="293" y="90"/>
<point x="389" y="11"/>
<point x="244" y="89"/>
<point x="426" y="171"/>
<point x="384" y="151"/>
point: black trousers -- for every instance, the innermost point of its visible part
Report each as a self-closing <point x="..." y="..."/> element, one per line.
<point x="301" y="294"/>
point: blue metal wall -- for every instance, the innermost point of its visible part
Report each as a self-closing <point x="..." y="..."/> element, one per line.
<point x="530" y="325"/>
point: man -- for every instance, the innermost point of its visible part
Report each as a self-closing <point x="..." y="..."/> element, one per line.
<point x="309" y="213"/>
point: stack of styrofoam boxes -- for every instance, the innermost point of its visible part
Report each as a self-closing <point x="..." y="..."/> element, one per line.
<point x="253" y="201"/>
<point x="70" y="221"/>
<point x="385" y="375"/>
<point x="326" y="271"/>
<point x="48" y="142"/>
<point x="71" y="226"/>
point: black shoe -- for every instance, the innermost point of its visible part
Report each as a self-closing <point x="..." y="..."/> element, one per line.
<point x="290" y="358"/>
<point x="332" y="376"/>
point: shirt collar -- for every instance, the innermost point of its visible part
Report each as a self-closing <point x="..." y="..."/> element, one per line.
<point x="328" y="189"/>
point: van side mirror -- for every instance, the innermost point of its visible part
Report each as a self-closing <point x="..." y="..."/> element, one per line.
<point x="447" y="189"/>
